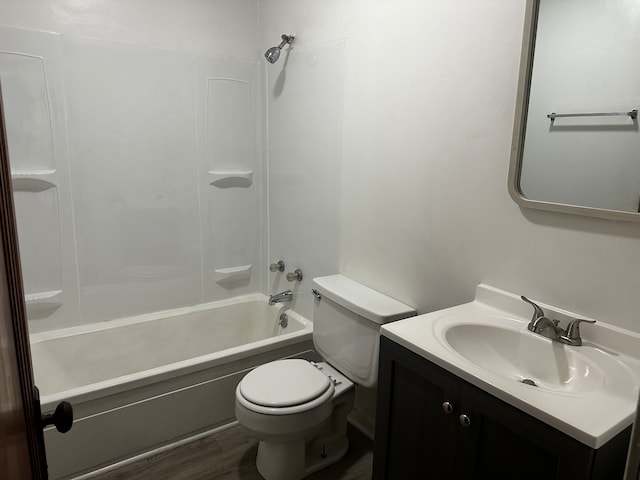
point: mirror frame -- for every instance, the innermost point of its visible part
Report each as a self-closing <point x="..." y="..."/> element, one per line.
<point x="519" y="130"/>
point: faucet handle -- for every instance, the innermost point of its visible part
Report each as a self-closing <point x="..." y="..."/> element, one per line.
<point x="277" y="267"/>
<point x="537" y="311"/>
<point x="295" y="276"/>
<point x="572" y="333"/>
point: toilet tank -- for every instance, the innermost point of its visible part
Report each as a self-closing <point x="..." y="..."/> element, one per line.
<point x="346" y="325"/>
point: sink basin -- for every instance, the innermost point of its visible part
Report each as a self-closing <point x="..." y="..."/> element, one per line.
<point x="526" y="357"/>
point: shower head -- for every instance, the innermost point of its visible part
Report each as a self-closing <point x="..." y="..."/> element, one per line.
<point x="273" y="53"/>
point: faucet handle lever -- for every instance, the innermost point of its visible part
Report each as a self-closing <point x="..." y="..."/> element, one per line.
<point x="572" y="333"/>
<point x="295" y="276"/>
<point x="277" y="267"/>
<point x="537" y="311"/>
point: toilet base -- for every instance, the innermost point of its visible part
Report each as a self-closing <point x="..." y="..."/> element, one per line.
<point x="296" y="460"/>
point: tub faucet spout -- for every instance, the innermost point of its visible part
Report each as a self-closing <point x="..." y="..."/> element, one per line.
<point x="285" y="296"/>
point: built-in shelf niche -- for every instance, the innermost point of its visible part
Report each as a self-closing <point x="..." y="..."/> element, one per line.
<point x="229" y="148"/>
<point x="36" y="200"/>
<point x="229" y="124"/>
<point x="27" y="108"/>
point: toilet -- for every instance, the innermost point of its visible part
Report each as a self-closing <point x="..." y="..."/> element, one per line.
<point x="298" y="409"/>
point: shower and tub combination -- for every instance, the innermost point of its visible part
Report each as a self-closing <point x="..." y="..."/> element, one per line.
<point x="140" y="382"/>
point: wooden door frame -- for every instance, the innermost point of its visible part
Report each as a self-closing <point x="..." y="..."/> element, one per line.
<point x="13" y="303"/>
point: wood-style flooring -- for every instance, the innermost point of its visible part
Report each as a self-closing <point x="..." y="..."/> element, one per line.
<point x="230" y="455"/>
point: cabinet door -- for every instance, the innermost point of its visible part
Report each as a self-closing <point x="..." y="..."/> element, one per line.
<point x="415" y="438"/>
<point x="502" y="442"/>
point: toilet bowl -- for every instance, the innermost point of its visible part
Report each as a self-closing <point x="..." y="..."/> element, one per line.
<point x="298" y="409"/>
<point x="293" y="408"/>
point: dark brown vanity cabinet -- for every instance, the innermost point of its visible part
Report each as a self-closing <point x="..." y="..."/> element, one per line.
<point x="431" y="424"/>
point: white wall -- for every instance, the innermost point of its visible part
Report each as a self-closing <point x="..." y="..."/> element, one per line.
<point x="429" y="95"/>
<point x="141" y="106"/>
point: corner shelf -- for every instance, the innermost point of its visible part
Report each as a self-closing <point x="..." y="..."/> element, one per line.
<point x="230" y="178"/>
<point x="33" y="181"/>
<point x="227" y="275"/>
<point x="42" y="304"/>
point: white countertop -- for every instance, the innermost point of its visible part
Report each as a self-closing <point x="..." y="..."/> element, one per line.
<point x="592" y="417"/>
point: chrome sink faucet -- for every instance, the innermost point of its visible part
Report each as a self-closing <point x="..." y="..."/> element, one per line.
<point x="285" y="296"/>
<point x="543" y="325"/>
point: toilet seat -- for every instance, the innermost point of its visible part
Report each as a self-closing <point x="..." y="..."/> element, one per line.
<point x="284" y="387"/>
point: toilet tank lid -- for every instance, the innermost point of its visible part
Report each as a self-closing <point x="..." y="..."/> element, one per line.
<point x="364" y="301"/>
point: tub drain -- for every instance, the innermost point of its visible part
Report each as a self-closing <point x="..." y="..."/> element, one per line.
<point x="528" y="381"/>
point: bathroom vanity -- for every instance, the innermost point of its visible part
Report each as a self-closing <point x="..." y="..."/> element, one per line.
<point x="442" y="416"/>
<point x="433" y="424"/>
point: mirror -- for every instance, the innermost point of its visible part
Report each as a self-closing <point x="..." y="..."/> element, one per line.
<point x="576" y="141"/>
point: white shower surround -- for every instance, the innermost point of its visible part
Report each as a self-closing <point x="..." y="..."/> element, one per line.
<point x="139" y="383"/>
<point x="137" y="175"/>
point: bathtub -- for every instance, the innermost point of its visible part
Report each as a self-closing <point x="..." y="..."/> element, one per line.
<point x="144" y="382"/>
